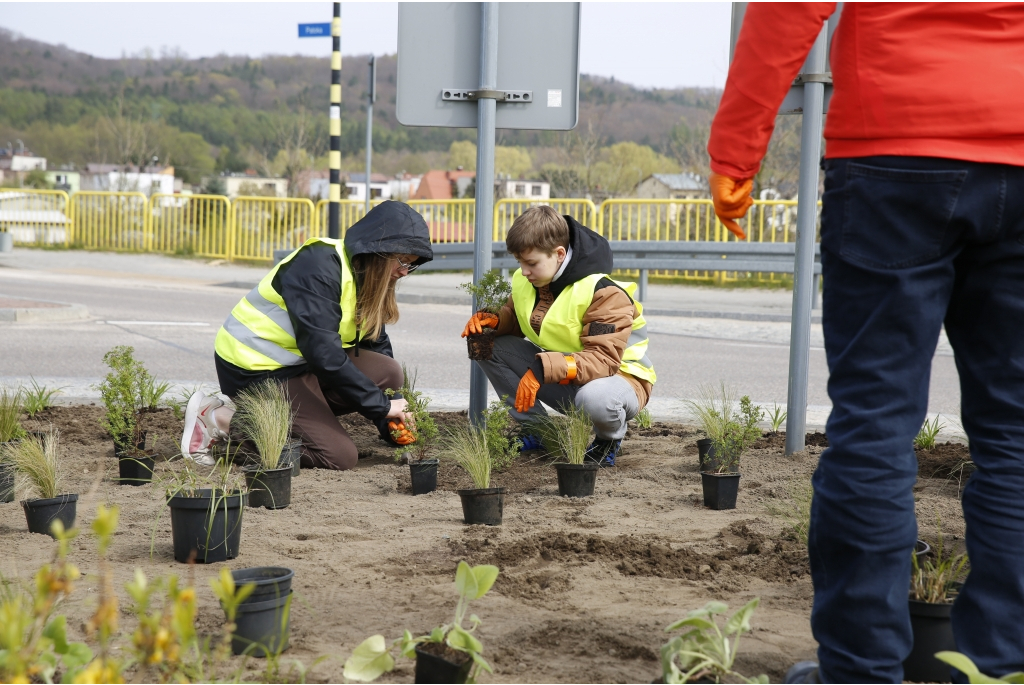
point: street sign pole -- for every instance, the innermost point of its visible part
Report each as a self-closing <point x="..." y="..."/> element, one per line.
<point x="334" y="206"/>
<point x="371" y="97"/>
<point x="485" y="132"/>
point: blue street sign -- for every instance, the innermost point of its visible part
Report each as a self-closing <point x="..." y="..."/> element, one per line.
<point x="315" y="30"/>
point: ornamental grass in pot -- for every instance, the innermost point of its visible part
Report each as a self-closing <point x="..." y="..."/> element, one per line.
<point x="41" y="472"/>
<point x="206" y="512"/>
<point x="467" y="447"/>
<point x="935" y="581"/>
<point x="566" y="437"/>
<point x="450" y="653"/>
<point x="489" y="296"/>
<point x="731" y="433"/>
<point x="419" y="438"/>
<point x="127" y="391"/>
<point x="264" y="417"/>
<point x="11" y="407"/>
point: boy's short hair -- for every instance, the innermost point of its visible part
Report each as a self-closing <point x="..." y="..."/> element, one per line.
<point x="538" y="228"/>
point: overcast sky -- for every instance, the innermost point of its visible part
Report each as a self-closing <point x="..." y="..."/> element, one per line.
<point x="662" y="45"/>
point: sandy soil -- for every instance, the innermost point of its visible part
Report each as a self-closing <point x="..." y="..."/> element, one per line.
<point x="586" y="586"/>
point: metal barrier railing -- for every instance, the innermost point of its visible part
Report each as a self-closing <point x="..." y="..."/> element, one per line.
<point x="449" y="221"/>
<point x="260" y="225"/>
<point x="108" y="220"/>
<point x="351" y="212"/>
<point x="189" y="224"/>
<point x="506" y="211"/>
<point x="35" y="217"/>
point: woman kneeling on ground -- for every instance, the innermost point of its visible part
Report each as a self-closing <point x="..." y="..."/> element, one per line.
<point x="316" y="323"/>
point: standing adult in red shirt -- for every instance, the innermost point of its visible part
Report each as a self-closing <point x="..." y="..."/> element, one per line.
<point x="922" y="226"/>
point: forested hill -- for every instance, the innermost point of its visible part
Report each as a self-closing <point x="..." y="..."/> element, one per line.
<point x="69" y="105"/>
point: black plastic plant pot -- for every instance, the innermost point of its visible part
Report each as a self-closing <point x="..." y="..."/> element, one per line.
<point x="424" y="476"/>
<point x="6" y="482"/>
<point x="933" y="633"/>
<point x="118" y="452"/>
<point x="720" y="489"/>
<point x="431" y="668"/>
<point x="483" y="505"/>
<point x="136" y="470"/>
<point x="207" y="525"/>
<point x="271" y="489"/>
<point x="710" y="460"/>
<point x="262" y="627"/>
<point x="921" y="549"/>
<point x="576" y="480"/>
<point x="481" y="345"/>
<point x="272" y="582"/>
<point x="292" y="455"/>
<point x="41" y="513"/>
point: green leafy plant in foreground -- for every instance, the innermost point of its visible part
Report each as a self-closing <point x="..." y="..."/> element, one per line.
<point x="925" y="439"/>
<point x="491" y="293"/>
<point x="372" y="657"/>
<point x="706" y="651"/>
<point x="11" y="406"/>
<point x="967" y="667"/>
<point x="643" y="418"/>
<point x="38" y="397"/>
<point x="776" y="417"/>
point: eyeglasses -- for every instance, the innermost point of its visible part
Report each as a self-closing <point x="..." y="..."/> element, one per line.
<point x="408" y="267"/>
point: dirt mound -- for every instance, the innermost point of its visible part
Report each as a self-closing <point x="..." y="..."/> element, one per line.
<point x="947" y="460"/>
<point x="82" y="426"/>
<point x="777" y="440"/>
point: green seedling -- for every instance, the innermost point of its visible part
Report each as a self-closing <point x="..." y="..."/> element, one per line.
<point x="706" y="652"/>
<point x="11" y="406"/>
<point x="38" y="397"/>
<point x="777" y="417"/>
<point x="925" y="439"/>
<point x="425" y="428"/>
<point x="643" y="418"/>
<point x="967" y="667"/>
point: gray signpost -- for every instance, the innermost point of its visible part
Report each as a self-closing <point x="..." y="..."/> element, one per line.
<point x="458" y="61"/>
<point x="808" y="97"/>
<point x="370" y="99"/>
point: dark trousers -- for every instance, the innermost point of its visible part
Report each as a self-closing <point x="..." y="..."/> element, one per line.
<point x="909" y="244"/>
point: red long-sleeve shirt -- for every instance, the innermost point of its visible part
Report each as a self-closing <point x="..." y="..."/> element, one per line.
<point x="910" y="79"/>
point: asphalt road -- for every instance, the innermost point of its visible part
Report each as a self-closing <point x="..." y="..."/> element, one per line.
<point x="173" y="325"/>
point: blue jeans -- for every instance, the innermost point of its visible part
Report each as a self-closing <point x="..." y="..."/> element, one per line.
<point x="909" y="244"/>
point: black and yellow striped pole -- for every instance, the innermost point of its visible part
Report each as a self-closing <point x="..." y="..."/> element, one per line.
<point x="334" y="208"/>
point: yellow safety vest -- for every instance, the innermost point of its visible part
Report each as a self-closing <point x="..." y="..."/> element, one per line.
<point x="258" y="334"/>
<point x="562" y="326"/>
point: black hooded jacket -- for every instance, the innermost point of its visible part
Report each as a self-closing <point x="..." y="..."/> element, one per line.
<point x="310" y="284"/>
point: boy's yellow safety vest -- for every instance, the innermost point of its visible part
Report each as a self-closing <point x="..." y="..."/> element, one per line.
<point x="562" y="326"/>
<point x="258" y="335"/>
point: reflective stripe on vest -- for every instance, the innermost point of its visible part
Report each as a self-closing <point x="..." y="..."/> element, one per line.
<point x="258" y="334"/>
<point x="562" y="326"/>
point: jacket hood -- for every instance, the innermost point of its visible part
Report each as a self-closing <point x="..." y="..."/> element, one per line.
<point x="591" y="254"/>
<point x="390" y="227"/>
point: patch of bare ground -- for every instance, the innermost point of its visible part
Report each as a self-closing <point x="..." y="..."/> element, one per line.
<point x="586" y="585"/>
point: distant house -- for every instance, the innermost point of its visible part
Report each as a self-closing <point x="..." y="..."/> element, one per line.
<point x="524" y="190"/>
<point x="313" y="183"/>
<point x="444" y="185"/>
<point x="65" y="179"/>
<point x="127" y="178"/>
<point x="249" y="184"/>
<point x="355" y="186"/>
<point x="21" y="161"/>
<point x="672" y="187"/>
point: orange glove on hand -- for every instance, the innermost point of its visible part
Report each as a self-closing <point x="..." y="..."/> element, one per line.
<point x="401" y="434"/>
<point x="732" y="200"/>
<point x="526" y="393"/>
<point x="478" y="321"/>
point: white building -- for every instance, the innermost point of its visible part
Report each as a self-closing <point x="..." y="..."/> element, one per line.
<point x="128" y="179"/>
<point x="21" y="162"/>
<point x="523" y="190"/>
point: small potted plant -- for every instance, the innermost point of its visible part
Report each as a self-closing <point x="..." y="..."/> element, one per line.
<point x="206" y="513"/>
<point x="706" y="652"/>
<point x="935" y="582"/>
<point x="721" y="479"/>
<point x="566" y="436"/>
<point x="423" y="434"/>
<point x="125" y="391"/>
<point x="10" y="430"/>
<point x="448" y="654"/>
<point x="265" y="418"/>
<point x="41" y="469"/>
<point x="714" y="411"/>
<point x="467" y="447"/>
<point x="489" y="295"/>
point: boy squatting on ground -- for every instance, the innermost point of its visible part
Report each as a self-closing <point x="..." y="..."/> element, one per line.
<point x="568" y="333"/>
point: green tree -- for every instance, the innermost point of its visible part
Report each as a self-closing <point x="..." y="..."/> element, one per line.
<point x="514" y="161"/>
<point x="624" y="165"/>
<point x="462" y="153"/>
<point x="36" y="179"/>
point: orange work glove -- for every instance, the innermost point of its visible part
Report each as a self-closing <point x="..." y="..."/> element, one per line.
<point x="732" y="200"/>
<point x="478" y="321"/>
<point x="401" y="434"/>
<point x="526" y="393"/>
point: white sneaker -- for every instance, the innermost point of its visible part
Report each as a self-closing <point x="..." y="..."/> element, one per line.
<point x="201" y="429"/>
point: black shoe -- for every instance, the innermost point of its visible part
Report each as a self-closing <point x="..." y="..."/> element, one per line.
<point x="603" y="452"/>
<point x="803" y="672"/>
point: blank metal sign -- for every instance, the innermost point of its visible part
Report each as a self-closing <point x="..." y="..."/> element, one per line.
<point x="538" y="51"/>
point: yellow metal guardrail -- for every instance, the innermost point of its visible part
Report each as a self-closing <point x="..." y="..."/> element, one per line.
<point x="253" y="227"/>
<point x="35" y="217"/>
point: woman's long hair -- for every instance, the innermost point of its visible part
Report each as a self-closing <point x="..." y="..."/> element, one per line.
<point x="375" y="293"/>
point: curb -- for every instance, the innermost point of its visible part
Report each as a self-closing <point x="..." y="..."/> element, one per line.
<point x="59" y="311"/>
